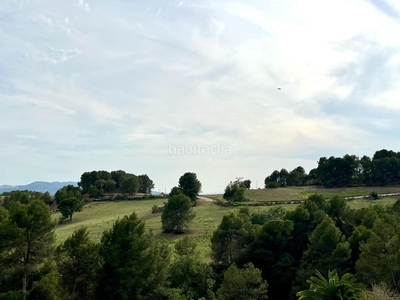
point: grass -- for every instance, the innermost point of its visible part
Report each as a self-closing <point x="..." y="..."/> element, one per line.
<point x="100" y="216"/>
<point x="301" y="193"/>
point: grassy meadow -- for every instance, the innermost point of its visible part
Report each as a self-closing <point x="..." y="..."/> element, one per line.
<point x="100" y="216"/>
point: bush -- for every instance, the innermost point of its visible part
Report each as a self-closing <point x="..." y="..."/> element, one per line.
<point x="374" y="195"/>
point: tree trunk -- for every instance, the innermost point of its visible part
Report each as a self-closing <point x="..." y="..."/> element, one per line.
<point x="24" y="284"/>
<point x="73" y="291"/>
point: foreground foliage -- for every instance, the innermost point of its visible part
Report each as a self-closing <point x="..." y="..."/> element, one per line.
<point x="333" y="288"/>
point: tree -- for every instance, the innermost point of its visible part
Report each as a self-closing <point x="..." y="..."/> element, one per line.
<point x="26" y="235"/>
<point x="244" y="284"/>
<point x="177" y="214"/>
<point x="247" y="183"/>
<point x="380" y="257"/>
<point x="188" y="274"/>
<point x="69" y="206"/>
<point x="78" y="262"/>
<point x="190" y="185"/>
<point x="66" y="192"/>
<point x="327" y="250"/>
<point x="270" y="252"/>
<point x="130" y="184"/>
<point x="231" y="239"/>
<point x="145" y="184"/>
<point x="134" y="264"/>
<point x="333" y="288"/>
<point x="234" y="191"/>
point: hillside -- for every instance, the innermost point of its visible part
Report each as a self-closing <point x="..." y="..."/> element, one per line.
<point x="288" y="194"/>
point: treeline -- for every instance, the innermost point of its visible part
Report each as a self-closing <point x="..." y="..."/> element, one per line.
<point x="24" y="197"/>
<point x="96" y="183"/>
<point x="349" y="170"/>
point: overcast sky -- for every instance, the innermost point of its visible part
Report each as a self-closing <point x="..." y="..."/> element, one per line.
<point x="91" y="85"/>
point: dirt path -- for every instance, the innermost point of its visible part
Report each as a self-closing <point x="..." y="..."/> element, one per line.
<point x="206" y="199"/>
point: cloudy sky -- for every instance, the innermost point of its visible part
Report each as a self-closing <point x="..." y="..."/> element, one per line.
<point x="139" y="85"/>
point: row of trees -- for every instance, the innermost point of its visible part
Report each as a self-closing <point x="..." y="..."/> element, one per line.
<point x="349" y="170"/>
<point x="96" y="183"/>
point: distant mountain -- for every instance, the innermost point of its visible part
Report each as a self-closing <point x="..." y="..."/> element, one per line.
<point x="37" y="186"/>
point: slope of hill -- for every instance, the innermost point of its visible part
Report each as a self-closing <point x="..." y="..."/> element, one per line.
<point x="37" y="186"/>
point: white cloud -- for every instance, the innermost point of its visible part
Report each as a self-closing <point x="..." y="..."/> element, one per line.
<point x="83" y="5"/>
<point x="209" y="74"/>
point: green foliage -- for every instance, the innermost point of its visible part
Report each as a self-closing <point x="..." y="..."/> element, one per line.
<point x="175" y="191"/>
<point x="130" y="184"/>
<point x="94" y="182"/>
<point x="270" y="252"/>
<point x="145" y="184"/>
<point x="69" y="206"/>
<point x="243" y="284"/>
<point x="66" y="192"/>
<point x="234" y="191"/>
<point x="186" y="246"/>
<point x="24" y="197"/>
<point x="374" y="195"/>
<point x="134" y="263"/>
<point x="283" y="178"/>
<point x="190" y="185"/>
<point x="47" y="288"/>
<point x="333" y="288"/>
<point x="380" y="257"/>
<point x="328" y="248"/>
<point x="26" y="235"/>
<point x="231" y="239"/>
<point x="78" y="262"/>
<point x="177" y="214"/>
<point x="275" y="213"/>
<point x="188" y="274"/>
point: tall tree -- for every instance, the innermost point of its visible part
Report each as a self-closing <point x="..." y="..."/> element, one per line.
<point x="70" y="206"/>
<point x="145" y="184"/>
<point x="134" y="263"/>
<point x="177" y="214"/>
<point x="190" y="185"/>
<point x="231" y="239"/>
<point x="27" y="234"/>
<point x="78" y="262"/>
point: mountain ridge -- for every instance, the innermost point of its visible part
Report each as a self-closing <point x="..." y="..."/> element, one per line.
<point x="38" y="186"/>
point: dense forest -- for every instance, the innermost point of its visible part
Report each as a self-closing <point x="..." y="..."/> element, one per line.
<point x="349" y="170"/>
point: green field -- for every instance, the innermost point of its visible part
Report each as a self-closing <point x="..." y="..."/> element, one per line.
<point x="301" y="193"/>
<point x="99" y="216"/>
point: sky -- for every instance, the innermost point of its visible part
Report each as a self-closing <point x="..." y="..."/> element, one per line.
<point x="225" y="89"/>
